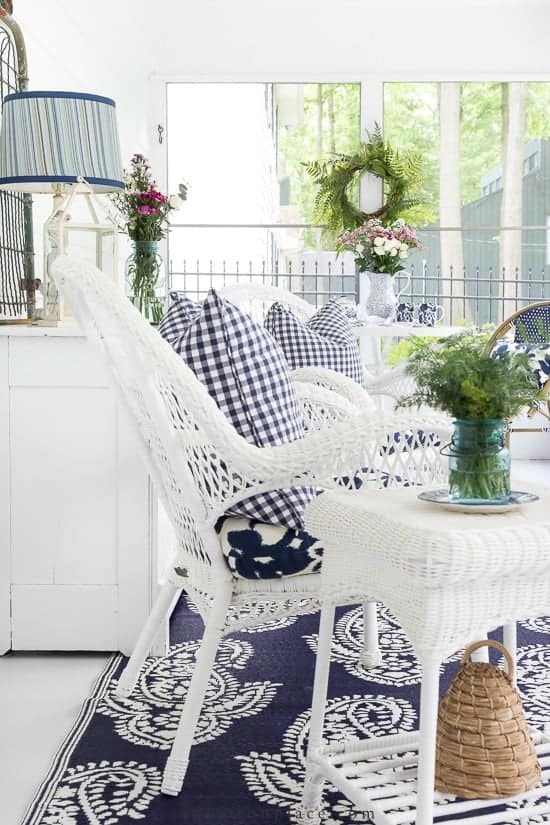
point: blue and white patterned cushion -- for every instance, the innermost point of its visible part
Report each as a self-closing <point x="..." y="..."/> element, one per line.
<point x="180" y="314"/>
<point x="245" y="372"/>
<point x="533" y="326"/>
<point x="267" y="551"/>
<point x="326" y="340"/>
<point x="254" y="550"/>
<point x="538" y="354"/>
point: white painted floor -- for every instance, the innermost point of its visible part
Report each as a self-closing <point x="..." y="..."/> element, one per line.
<point x="41" y="694"/>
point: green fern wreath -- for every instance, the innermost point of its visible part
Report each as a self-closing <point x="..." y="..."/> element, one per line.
<point x="401" y="173"/>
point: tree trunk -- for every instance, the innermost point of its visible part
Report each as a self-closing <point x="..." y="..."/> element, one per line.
<point x="514" y="100"/>
<point x="452" y="257"/>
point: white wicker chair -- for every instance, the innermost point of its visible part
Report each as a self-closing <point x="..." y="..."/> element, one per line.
<point x="201" y="466"/>
<point x="255" y="299"/>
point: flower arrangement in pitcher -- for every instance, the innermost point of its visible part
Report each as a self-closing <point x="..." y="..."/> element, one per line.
<point x="380" y="248"/>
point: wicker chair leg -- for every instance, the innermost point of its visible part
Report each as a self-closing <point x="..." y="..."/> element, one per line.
<point x="371" y="655"/>
<point x="308" y="812"/>
<point x="176" y="764"/>
<point x="429" y="698"/>
<point x="130" y="674"/>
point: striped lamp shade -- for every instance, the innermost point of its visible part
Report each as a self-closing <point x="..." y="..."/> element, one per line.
<point x="49" y="138"/>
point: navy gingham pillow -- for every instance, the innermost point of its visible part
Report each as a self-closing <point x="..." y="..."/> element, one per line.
<point x="245" y="372"/>
<point x="180" y="314"/>
<point x="326" y="340"/>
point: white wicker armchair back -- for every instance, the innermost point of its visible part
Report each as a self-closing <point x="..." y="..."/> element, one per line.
<point x="188" y="443"/>
<point x="256" y="299"/>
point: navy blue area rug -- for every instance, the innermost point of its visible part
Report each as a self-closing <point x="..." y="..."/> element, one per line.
<point x="247" y="766"/>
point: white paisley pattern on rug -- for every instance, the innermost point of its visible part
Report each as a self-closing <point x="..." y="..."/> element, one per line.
<point x="533" y="674"/>
<point x="105" y="793"/>
<point x="399" y="665"/>
<point x="151" y="714"/>
<point x="303" y="608"/>
<point x="539" y="625"/>
<point x="278" y="778"/>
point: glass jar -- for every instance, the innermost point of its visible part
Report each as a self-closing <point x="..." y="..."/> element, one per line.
<point x="479" y="462"/>
<point x="146" y="280"/>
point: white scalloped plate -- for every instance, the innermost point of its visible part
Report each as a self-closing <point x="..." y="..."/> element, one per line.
<point x="441" y="497"/>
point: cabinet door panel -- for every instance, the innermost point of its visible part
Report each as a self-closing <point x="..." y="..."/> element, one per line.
<point x="49" y="617"/>
<point x="5" y="618"/>
<point x="63" y="484"/>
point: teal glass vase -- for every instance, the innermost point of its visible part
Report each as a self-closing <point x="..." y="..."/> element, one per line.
<point x="146" y="280"/>
<point x="479" y="462"/>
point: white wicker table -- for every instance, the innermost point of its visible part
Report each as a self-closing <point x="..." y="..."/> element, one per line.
<point x="448" y="578"/>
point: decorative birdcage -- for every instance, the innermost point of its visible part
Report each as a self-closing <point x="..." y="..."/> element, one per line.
<point x="17" y="281"/>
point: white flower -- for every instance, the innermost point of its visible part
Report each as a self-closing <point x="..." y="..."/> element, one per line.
<point x="388" y="245"/>
<point x="403" y="253"/>
<point x="393" y="253"/>
<point x="360" y="247"/>
<point x="174" y="201"/>
<point x="394" y="243"/>
<point x="404" y="247"/>
<point x="379" y="251"/>
<point x="379" y="241"/>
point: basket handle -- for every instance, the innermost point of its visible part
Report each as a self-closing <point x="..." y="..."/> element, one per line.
<point x="490" y="643"/>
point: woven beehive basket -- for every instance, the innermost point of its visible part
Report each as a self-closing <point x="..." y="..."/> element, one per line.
<point x="484" y="749"/>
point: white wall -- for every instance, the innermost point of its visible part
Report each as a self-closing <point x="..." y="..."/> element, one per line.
<point x="289" y="37"/>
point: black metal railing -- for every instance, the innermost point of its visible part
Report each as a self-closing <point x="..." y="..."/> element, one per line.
<point x="478" y="292"/>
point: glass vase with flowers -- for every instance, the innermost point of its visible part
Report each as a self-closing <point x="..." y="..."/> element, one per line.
<point x="143" y="214"/>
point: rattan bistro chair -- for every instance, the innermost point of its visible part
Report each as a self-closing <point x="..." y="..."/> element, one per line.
<point x="201" y="466"/>
<point x="529" y="325"/>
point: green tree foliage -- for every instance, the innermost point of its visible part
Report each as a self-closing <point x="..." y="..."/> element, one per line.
<point x="411" y="121"/>
<point x="330" y="123"/>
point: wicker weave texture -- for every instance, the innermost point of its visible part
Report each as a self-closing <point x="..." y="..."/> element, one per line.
<point x="201" y="465"/>
<point x="484" y="749"/>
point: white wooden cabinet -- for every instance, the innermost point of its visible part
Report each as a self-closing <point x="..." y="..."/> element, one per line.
<point x="78" y="519"/>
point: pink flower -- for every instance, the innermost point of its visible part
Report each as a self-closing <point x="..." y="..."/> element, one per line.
<point x="147" y="210"/>
<point x="157" y="196"/>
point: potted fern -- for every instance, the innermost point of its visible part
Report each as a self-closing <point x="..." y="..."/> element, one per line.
<point x="481" y="391"/>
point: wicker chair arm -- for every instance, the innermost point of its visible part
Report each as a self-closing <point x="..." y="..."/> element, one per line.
<point x="335" y="381"/>
<point x="394" y="382"/>
<point x="345" y="448"/>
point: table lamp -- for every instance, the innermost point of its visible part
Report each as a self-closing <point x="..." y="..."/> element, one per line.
<point x="62" y="143"/>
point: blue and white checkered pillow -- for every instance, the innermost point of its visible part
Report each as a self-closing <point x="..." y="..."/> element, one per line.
<point x="180" y="314"/>
<point x="326" y="340"/>
<point x="246" y="374"/>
